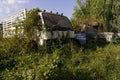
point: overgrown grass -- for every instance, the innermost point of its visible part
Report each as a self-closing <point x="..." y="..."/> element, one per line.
<point x="73" y="62"/>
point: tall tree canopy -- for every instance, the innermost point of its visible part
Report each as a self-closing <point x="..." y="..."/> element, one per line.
<point x="103" y="11"/>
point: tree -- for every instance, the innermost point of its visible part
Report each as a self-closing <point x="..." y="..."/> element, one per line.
<point x="87" y="11"/>
<point x="116" y="16"/>
<point x="102" y="11"/>
<point x="32" y="24"/>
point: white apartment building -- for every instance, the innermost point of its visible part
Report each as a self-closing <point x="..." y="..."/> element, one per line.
<point x="10" y="23"/>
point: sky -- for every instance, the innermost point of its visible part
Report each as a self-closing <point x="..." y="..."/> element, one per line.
<point x="8" y="7"/>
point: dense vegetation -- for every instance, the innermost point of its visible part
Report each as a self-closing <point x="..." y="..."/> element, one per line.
<point x="22" y="59"/>
<point x="94" y="61"/>
<point x="106" y="12"/>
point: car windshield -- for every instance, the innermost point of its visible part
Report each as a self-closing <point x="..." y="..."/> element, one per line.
<point x="56" y="22"/>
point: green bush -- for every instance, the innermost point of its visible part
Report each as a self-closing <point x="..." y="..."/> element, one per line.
<point x="69" y="62"/>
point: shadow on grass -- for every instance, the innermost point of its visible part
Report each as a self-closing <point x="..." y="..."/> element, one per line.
<point x="92" y="44"/>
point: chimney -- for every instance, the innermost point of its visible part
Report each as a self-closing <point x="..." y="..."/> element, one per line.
<point x="51" y="12"/>
<point x="44" y="11"/>
<point x="61" y="14"/>
<point x="57" y="13"/>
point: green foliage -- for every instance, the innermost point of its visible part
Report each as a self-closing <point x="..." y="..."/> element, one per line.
<point x="103" y="11"/>
<point x="70" y="62"/>
<point x="32" y="24"/>
<point x="21" y="60"/>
